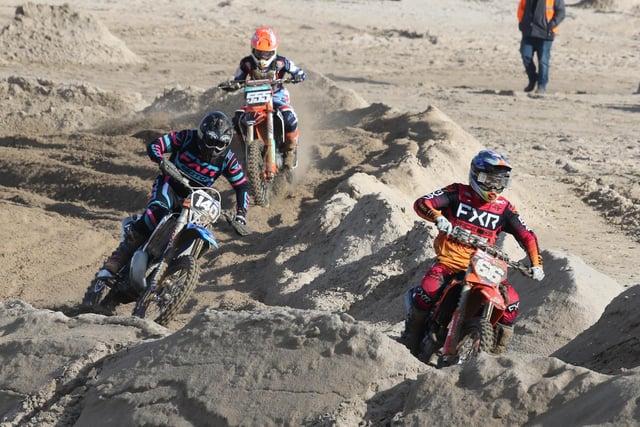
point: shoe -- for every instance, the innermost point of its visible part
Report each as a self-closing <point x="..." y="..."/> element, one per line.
<point x="107" y="307"/>
<point x="124" y="251"/>
<point x="541" y="90"/>
<point x="503" y="334"/>
<point x="530" y="87"/>
<point x="415" y="326"/>
<point x="290" y="160"/>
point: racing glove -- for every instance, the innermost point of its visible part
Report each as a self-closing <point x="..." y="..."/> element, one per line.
<point x="230" y="86"/>
<point x="444" y="225"/>
<point x="537" y="273"/>
<point x="300" y="76"/>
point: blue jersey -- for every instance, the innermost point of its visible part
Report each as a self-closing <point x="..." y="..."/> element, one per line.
<point x="182" y="146"/>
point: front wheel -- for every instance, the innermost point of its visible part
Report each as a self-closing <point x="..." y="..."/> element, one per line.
<point x="477" y="337"/>
<point x="163" y="300"/>
<point x="255" y="167"/>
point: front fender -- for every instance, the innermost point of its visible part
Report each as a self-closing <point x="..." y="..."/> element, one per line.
<point x="205" y="233"/>
<point x="481" y="296"/>
<point x="250" y="118"/>
<point x="493" y="295"/>
<point x="193" y="232"/>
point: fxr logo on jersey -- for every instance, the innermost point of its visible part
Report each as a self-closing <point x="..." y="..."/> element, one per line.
<point x="474" y="216"/>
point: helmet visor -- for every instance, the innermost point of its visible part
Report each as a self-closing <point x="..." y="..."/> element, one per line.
<point x="263" y="54"/>
<point x="493" y="181"/>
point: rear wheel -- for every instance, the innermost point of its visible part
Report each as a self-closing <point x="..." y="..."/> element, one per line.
<point x="164" y="300"/>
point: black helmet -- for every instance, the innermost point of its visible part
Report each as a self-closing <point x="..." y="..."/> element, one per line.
<point x="215" y="133"/>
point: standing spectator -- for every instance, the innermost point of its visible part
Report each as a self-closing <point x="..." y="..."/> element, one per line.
<point x="538" y="22"/>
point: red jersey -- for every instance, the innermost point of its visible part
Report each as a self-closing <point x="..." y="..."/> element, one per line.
<point x="460" y="204"/>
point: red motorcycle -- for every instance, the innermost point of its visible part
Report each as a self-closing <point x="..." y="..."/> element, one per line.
<point x="469" y="307"/>
<point x="262" y="131"/>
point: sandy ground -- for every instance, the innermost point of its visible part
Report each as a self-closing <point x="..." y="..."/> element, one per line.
<point x="400" y="95"/>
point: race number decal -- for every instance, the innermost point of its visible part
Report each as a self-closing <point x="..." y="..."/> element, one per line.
<point x="205" y="202"/>
<point x="489" y="271"/>
<point x="257" y="97"/>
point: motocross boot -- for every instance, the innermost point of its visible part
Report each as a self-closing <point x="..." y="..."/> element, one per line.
<point x="290" y="152"/>
<point x="415" y="326"/>
<point x="123" y="253"/>
<point x="107" y="306"/>
<point x="504" y="334"/>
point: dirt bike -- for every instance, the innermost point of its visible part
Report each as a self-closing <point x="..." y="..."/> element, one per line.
<point x="469" y="307"/>
<point x="262" y="131"/>
<point x="164" y="271"/>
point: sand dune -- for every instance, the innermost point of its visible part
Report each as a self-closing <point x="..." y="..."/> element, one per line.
<point x="296" y="323"/>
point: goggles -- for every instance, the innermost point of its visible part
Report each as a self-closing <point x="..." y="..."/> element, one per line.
<point x="496" y="182"/>
<point x="212" y="141"/>
<point x="263" y="54"/>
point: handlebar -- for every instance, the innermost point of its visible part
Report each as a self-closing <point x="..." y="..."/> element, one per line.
<point x="237" y="84"/>
<point x="463" y="236"/>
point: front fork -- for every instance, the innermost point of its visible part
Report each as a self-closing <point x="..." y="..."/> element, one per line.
<point x="270" y="168"/>
<point x="270" y="165"/>
<point x="168" y="253"/>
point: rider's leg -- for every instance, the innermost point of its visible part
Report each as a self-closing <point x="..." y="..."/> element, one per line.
<point x="504" y="333"/>
<point x="123" y="253"/>
<point x="420" y="304"/>
<point x="291" y="134"/>
<point x="161" y="200"/>
<point x="504" y="327"/>
<point x="415" y="325"/>
<point x="290" y="151"/>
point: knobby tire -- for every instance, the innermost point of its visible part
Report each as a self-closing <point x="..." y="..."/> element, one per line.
<point x="477" y="337"/>
<point x="255" y="166"/>
<point x="176" y="283"/>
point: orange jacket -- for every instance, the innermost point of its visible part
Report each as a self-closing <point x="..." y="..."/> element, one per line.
<point x="543" y="21"/>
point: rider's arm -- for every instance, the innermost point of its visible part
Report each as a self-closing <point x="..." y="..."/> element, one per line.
<point x="157" y="148"/>
<point x="430" y="206"/>
<point x="291" y="68"/>
<point x="234" y="173"/>
<point x="514" y="224"/>
<point x="244" y="69"/>
<point x="166" y="143"/>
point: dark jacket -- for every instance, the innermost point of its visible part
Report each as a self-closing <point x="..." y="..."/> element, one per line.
<point x="540" y="18"/>
<point x="183" y="148"/>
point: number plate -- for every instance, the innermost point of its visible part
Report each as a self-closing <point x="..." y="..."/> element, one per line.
<point x="258" y="95"/>
<point x="489" y="268"/>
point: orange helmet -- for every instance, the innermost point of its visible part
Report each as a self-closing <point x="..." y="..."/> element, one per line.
<point x="263" y="46"/>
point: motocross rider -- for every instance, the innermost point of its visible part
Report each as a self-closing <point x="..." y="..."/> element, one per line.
<point x="203" y="154"/>
<point x="478" y="208"/>
<point x="265" y="63"/>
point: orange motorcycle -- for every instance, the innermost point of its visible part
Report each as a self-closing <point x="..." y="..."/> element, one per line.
<point x="464" y="318"/>
<point x="262" y="132"/>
